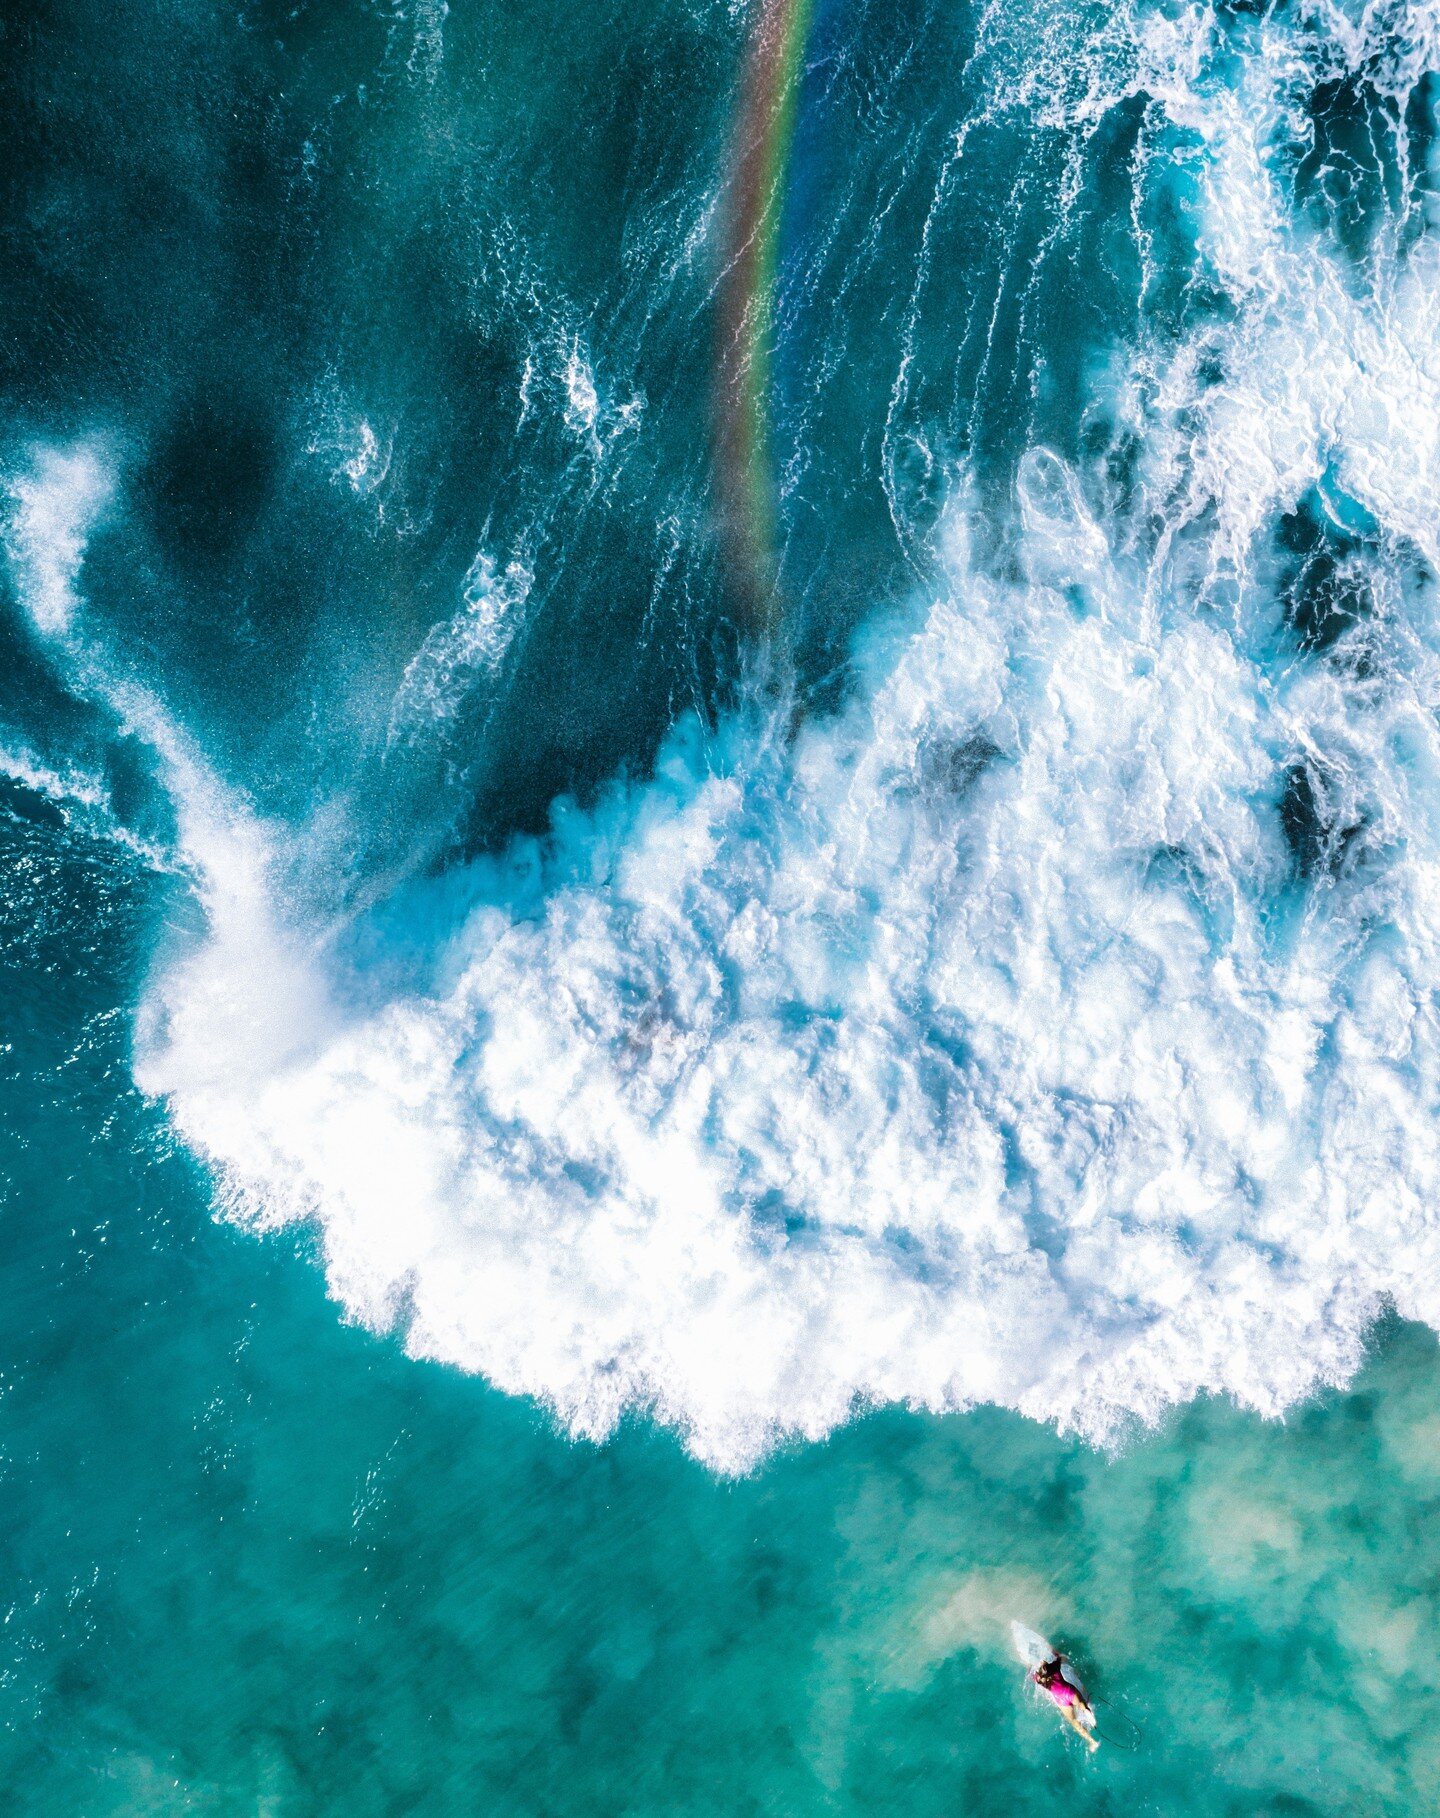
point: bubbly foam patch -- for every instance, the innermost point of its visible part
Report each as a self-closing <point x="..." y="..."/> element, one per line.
<point x="52" y="508"/>
<point x="981" y="1045"/>
<point x="1055" y="1025"/>
<point x="461" y="651"/>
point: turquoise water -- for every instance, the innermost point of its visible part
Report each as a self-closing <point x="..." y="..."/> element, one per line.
<point x="259" y="1561"/>
<point x="591" y="1209"/>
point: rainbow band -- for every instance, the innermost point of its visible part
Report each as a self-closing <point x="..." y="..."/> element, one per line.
<point x="766" y="132"/>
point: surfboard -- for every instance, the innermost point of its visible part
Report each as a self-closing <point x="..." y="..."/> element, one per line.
<point x="1034" y="1650"/>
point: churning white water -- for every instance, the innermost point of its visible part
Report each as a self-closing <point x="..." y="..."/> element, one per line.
<point x="1054" y="1025"/>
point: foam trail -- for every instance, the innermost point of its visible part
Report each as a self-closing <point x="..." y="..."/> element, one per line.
<point x="460" y="652"/>
<point x="63" y="789"/>
<point x="53" y="508"/>
<point x="1055" y="1025"/>
<point x="83" y="800"/>
<point x="54" y="502"/>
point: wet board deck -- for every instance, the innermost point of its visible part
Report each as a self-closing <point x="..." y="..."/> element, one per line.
<point x="1033" y="1649"/>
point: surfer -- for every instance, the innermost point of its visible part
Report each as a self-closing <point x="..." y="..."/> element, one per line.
<point x="1068" y="1697"/>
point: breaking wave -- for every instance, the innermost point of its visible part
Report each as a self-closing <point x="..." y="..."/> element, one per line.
<point x="1054" y="1023"/>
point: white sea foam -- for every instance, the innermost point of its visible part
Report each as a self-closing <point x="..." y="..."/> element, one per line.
<point x="863" y="1072"/>
<point x="1324" y="375"/>
<point x="461" y="651"/>
<point x="51" y="509"/>
<point x="428" y="50"/>
<point x="83" y="799"/>
<point x="987" y="1041"/>
<point x="62" y="788"/>
<point x="594" y="419"/>
<point x="348" y="443"/>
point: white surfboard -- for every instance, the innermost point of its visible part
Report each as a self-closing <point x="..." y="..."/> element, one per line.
<point x="1034" y="1650"/>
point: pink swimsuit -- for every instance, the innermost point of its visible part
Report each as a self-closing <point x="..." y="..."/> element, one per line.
<point x="1061" y="1690"/>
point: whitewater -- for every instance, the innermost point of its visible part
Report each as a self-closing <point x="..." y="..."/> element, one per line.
<point x="1052" y="1023"/>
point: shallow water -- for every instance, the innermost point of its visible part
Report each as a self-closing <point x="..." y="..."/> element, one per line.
<point x="256" y="1561"/>
<point x="598" y="1196"/>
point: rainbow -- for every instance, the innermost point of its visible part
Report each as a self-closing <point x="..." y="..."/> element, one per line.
<point x="744" y="461"/>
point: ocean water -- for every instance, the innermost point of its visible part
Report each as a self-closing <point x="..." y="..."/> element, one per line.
<point x="720" y="805"/>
